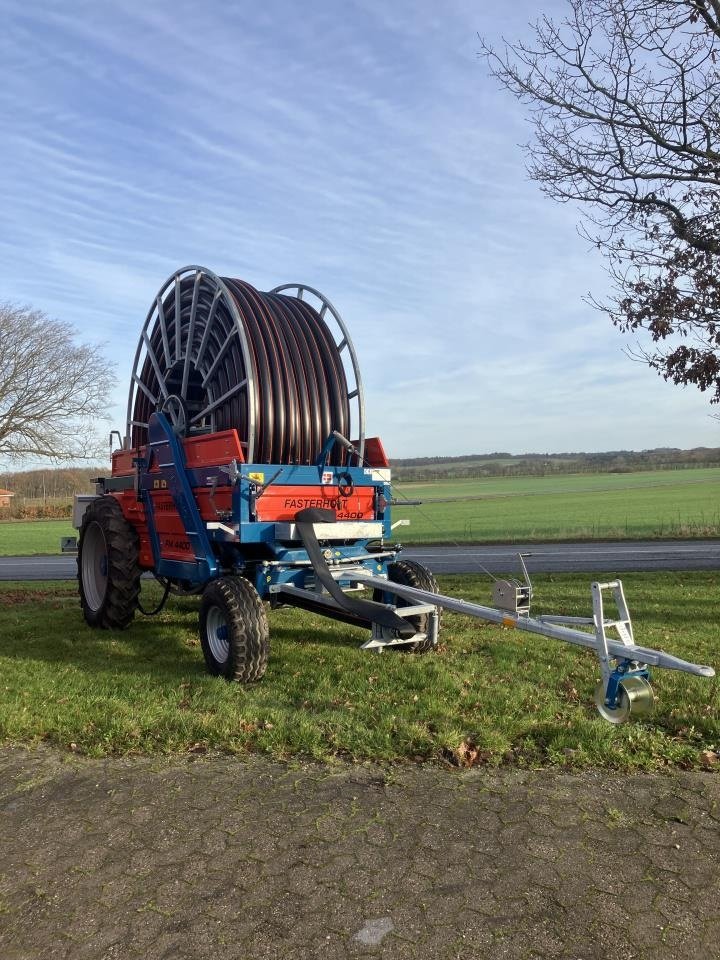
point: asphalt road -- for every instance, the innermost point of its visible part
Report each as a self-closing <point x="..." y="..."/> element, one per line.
<point x="543" y="558"/>
<point x="591" y="557"/>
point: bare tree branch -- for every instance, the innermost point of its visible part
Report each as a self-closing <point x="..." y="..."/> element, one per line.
<point x="53" y="391"/>
<point x="624" y="102"/>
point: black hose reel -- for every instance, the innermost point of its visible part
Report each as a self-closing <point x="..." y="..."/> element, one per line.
<point x="279" y="367"/>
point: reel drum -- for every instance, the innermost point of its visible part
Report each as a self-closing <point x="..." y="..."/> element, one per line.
<point x="217" y="354"/>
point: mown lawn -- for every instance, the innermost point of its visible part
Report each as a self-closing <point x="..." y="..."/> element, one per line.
<point x="509" y="697"/>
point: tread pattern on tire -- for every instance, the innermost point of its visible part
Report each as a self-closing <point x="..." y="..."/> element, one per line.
<point x="248" y="628"/>
<point x="410" y="573"/>
<point x="123" y="575"/>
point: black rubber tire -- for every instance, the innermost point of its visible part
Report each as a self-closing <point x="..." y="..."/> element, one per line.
<point x="107" y="564"/>
<point x="233" y="603"/>
<point x="410" y="573"/>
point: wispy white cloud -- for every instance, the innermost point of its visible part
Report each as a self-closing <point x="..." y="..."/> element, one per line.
<point x="361" y="149"/>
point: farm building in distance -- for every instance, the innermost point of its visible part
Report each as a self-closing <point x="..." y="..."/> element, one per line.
<point x="5" y="498"/>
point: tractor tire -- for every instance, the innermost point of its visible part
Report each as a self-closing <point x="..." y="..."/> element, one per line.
<point x="108" y="570"/>
<point x="409" y="573"/>
<point x="234" y="632"/>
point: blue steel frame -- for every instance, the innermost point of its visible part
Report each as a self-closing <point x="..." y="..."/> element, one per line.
<point x="245" y="544"/>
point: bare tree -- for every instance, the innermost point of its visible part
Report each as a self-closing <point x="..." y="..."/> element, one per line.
<point x="53" y="391"/>
<point x="624" y="99"/>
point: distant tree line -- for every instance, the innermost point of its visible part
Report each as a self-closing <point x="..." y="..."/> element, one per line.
<point x="50" y="484"/>
<point x="45" y="493"/>
<point x="477" y="466"/>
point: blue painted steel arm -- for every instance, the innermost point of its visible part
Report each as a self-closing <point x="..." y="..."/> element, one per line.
<point x="165" y="450"/>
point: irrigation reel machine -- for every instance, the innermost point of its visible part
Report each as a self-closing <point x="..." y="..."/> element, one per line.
<point x="245" y="475"/>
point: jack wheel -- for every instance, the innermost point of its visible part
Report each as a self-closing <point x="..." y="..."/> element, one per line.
<point x="635" y="697"/>
<point x="234" y="632"/>
<point x="410" y="573"/>
<point x="108" y="571"/>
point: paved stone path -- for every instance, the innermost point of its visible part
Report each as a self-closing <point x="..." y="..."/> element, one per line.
<point x="217" y="858"/>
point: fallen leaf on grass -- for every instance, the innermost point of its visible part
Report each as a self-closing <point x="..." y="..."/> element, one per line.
<point x="468" y="754"/>
<point x="709" y="758"/>
<point x="570" y="691"/>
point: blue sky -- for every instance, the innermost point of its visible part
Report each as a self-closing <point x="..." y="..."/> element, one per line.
<point x="360" y="148"/>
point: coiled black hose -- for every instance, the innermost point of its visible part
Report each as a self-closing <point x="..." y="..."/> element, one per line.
<point x="295" y="392"/>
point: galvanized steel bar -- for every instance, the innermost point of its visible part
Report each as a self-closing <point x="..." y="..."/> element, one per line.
<point x="655" y="658"/>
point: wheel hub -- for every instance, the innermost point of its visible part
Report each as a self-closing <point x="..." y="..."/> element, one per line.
<point x="635" y="696"/>
<point x="218" y="634"/>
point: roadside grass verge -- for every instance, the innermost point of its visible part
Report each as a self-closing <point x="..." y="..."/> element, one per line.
<point x="488" y="695"/>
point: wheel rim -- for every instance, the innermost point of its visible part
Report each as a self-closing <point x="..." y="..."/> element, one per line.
<point x="94" y="565"/>
<point x="635" y="696"/>
<point x="218" y="634"/>
<point x="172" y="357"/>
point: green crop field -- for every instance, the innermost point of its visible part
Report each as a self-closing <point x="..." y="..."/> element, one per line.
<point x="26" y="537"/>
<point x="487" y="695"/>
<point x="664" y="503"/>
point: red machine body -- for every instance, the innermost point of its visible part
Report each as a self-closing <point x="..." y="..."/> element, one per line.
<point x="279" y="502"/>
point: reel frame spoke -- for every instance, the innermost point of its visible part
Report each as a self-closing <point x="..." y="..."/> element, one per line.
<point x="283" y="371"/>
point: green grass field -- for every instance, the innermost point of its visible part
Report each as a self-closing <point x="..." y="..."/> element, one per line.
<point x="27" y="537"/>
<point x="663" y="503"/>
<point x="519" y="700"/>
<point x="672" y="503"/>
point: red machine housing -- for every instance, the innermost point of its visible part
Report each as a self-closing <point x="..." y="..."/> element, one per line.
<point x="280" y="502"/>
